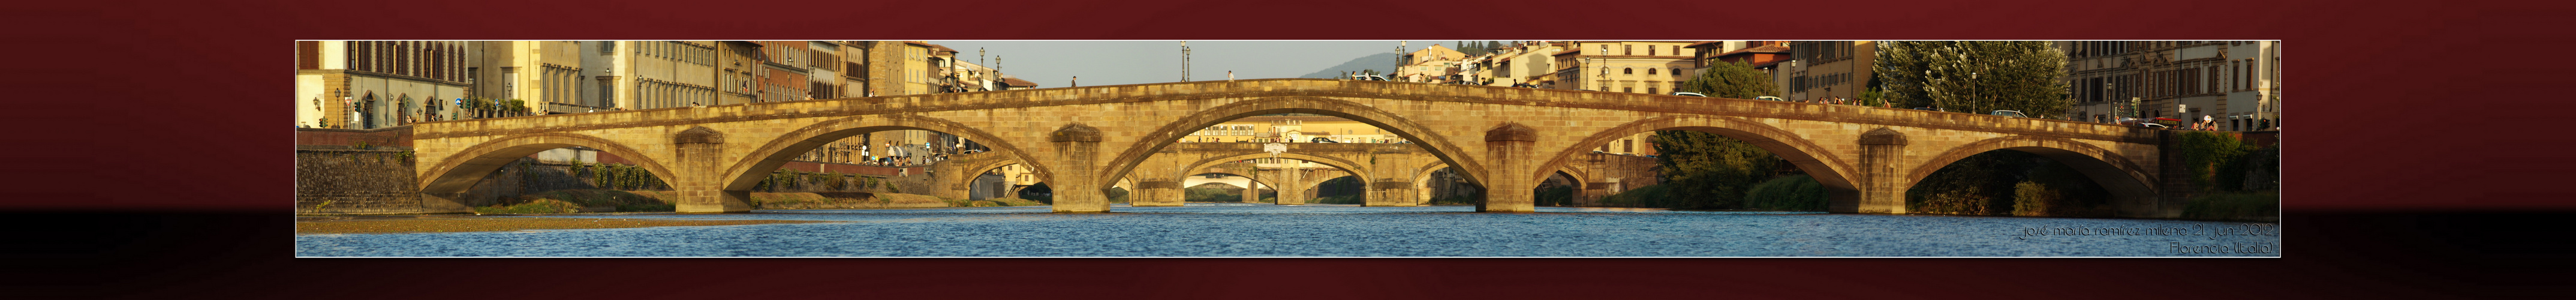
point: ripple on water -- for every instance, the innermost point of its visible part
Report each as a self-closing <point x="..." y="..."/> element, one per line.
<point x="1309" y="230"/>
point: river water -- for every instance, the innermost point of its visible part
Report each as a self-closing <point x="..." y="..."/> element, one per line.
<point x="1261" y="230"/>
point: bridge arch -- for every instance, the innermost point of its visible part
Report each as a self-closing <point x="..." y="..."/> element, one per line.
<point x="2132" y="187"/>
<point x="1346" y="165"/>
<point x="973" y="165"/>
<point x="1818" y="161"/>
<point x="1255" y="184"/>
<point x="748" y="171"/>
<point x="459" y="171"/>
<point x="1171" y="132"/>
<point x="1245" y="178"/>
<point x="1422" y="181"/>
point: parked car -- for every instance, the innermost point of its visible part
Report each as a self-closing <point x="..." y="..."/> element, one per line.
<point x="2008" y="113"/>
<point x="1322" y="140"/>
<point x="2168" y="122"/>
<point x="1368" y="77"/>
<point x="1927" y="108"/>
<point x="1689" y="94"/>
<point x="2143" y="123"/>
<point x="1769" y="98"/>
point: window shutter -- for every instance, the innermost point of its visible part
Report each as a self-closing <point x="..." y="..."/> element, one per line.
<point x="308" y="55"/>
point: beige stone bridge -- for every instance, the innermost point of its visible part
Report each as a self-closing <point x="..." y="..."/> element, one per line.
<point x="1506" y="139"/>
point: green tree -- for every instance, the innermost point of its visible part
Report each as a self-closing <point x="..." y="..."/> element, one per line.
<point x="1707" y="170"/>
<point x="1731" y="80"/>
<point x="1974" y="76"/>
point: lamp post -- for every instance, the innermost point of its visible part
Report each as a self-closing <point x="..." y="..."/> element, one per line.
<point x="979" y="60"/>
<point x="2107" y="93"/>
<point x="1185" y="61"/>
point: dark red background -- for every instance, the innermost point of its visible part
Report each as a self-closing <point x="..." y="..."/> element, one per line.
<point x="145" y="163"/>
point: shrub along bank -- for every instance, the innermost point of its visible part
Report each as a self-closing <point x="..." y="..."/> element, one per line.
<point x="2238" y="181"/>
<point x="2008" y="183"/>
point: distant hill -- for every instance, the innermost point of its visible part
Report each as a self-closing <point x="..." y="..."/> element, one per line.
<point x="1384" y="63"/>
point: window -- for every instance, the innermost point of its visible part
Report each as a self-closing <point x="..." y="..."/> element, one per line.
<point x="1677" y="71"/>
<point x="1652" y="91"/>
<point x="1629" y="50"/>
<point x="1627" y="71"/>
<point x="1650" y="71"/>
<point x="1627" y="90"/>
<point x="1650" y="50"/>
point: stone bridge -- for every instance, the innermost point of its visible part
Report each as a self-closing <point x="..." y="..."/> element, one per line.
<point x="1084" y="139"/>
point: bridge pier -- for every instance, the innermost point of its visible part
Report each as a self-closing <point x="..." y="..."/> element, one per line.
<point x="1077" y="149"/>
<point x="1157" y="193"/>
<point x="1880" y="190"/>
<point x="1293" y="185"/>
<point x="1513" y="150"/>
<point x="701" y="166"/>
<point x="951" y="180"/>
<point x="1158" y="181"/>
<point x="1252" y="191"/>
<point x="1393" y="167"/>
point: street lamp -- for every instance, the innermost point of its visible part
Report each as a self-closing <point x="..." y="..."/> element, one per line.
<point x="979" y="59"/>
<point x="2106" y="96"/>
<point x="1185" y="61"/>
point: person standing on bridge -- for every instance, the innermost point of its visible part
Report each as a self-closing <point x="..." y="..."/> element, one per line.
<point x="1076" y="82"/>
<point x="1229" y="75"/>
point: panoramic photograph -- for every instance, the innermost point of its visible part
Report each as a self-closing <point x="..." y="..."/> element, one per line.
<point x="1299" y="148"/>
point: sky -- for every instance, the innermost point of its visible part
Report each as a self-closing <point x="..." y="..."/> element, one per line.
<point x="1051" y="63"/>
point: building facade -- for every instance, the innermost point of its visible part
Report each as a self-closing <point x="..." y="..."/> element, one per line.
<point x="546" y="77"/>
<point x="789" y="65"/>
<point x="1529" y="63"/>
<point x="376" y="84"/>
<point x="1428" y="65"/>
<point x="896" y="67"/>
<point x="1827" y="69"/>
<point x="2235" y="83"/>
<point x="1653" y="67"/>
<point x="653" y="74"/>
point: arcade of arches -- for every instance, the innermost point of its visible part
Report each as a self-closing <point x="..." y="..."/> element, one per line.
<point x="1505" y="139"/>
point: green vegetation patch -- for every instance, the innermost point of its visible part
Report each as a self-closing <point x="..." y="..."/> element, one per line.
<point x="572" y="201"/>
<point x="1793" y="193"/>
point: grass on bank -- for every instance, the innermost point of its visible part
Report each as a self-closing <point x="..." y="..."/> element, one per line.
<point x="570" y="201"/>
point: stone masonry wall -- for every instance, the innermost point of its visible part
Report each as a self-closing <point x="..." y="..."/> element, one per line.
<point x="342" y="180"/>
